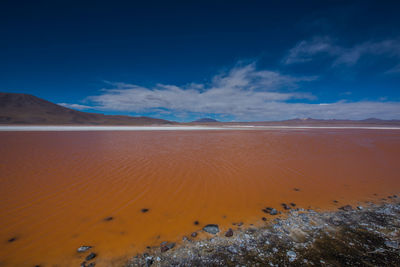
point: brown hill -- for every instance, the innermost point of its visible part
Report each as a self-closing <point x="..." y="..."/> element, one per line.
<point x="28" y="109"/>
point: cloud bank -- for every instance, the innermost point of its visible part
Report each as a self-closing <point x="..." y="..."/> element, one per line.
<point x="244" y="93"/>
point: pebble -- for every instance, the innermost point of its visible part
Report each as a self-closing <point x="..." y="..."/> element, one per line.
<point x="109" y="218"/>
<point x="144" y="210"/>
<point x="264" y="219"/>
<point x="194" y="234"/>
<point x="211" y="228"/>
<point x="286" y="206"/>
<point x="346" y="208"/>
<point x="292" y="255"/>
<point x="83" y="248"/>
<point x="11" y="239"/>
<point x="196" y="222"/>
<point x="91" y="256"/>
<point x="232" y="249"/>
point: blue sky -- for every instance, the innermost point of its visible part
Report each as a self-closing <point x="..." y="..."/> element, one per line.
<point x="229" y="60"/>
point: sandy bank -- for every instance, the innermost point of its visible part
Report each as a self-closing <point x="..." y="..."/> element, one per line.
<point x="362" y="236"/>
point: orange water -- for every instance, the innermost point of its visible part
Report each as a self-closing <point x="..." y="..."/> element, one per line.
<point x="57" y="187"/>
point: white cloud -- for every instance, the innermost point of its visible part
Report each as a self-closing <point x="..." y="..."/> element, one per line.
<point x="74" y="106"/>
<point x="307" y="50"/>
<point x="244" y="92"/>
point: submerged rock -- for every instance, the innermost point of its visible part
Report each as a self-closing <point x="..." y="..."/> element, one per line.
<point x="194" y="234"/>
<point x="196" y="222"/>
<point x="12" y="239"/>
<point x="211" y="228"/>
<point x="109" y="218"/>
<point x="144" y="210"/>
<point x="286" y="206"/>
<point x="229" y="233"/>
<point x="271" y="211"/>
<point x="83" y="248"/>
<point x="167" y="247"/>
<point x="91" y="256"/>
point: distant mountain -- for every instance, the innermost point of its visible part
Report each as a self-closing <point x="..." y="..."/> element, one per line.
<point x="205" y="120"/>
<point x="29" y="109"/>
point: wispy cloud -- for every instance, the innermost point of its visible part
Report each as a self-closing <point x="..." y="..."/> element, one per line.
<point x="75" y="106"/>
<point x="244" y="93"/>
<point x="308" y="50"/>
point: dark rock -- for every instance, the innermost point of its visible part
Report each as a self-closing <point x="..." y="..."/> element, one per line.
<point x="167" y="247"/>
<point x="292" y="204"/>
<point x="296" y="189"/>
<point x="194" y="234"/>
<point x="144" y="210"/>
<point x="92" y="264"/>
<point x="346" y="208"/>
<point x="285" y="206"/>
<point x="110" y="218"/>
<point x="264" y="219"/>
<point x="12" y="239"/>
<point x="271" y="211"/>
<point x="211" y="228"/>
<point x="91" y="256"/>
<point x="229" y="233"/>
<point x="240" y="224"/>
<point x="83" y="248"/>
<point x="196" y="222"/>
<point x="335" y="201"/>
<point x="83" y="264"/>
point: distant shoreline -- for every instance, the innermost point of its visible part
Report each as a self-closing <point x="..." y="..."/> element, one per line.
<point x="14" y="128"/>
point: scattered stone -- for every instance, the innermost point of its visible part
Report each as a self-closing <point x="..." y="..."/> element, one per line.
<point x="285" y="206"/>
<point x="149" y="261"/>
<point x="167" y="247"/>
<point x="229" y="233"/>
<point x="292" y="255"/>
<point x="83" y="248"/>
<point x="83" y="264"/>
<point x="292" y="204"/>
<point x="335" y="201"/>
<point x="196" y="222"/>
<point x="240" y="224"/>
<point x="271" y="211"/>
<point x="296" y="189"/>
<point x="360" y="208"/>
<point x="346" y="208"/>
<point x="91" y="256"/>
<point x="194" y="234"/>
<point x="211" y="228"/>
<point x="92" y="264"/>
<point x="144" y="210"/>
<point x="110" y="218"/>
<point x="12" y="239"/>
<point x="232" y="250"/>
<point x="264" y="219"/>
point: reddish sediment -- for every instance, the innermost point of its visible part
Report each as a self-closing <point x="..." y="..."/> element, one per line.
<point x="123" y="191"/>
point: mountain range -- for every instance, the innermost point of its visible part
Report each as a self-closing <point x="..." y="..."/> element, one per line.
<point x="27" y="109"/>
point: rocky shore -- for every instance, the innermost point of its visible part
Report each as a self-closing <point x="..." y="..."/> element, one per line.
<point x="367" y="235"/>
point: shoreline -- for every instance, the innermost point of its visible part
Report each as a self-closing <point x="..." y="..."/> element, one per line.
<point x="54" y="128"/>
<point x="363" y="235"/>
